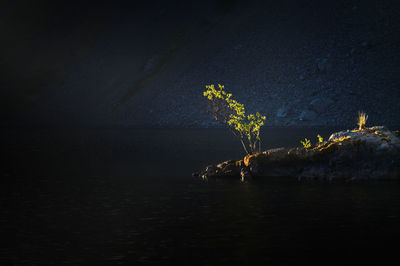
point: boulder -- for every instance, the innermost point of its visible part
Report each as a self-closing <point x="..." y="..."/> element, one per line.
<point x="323" y="65"/>
<point x="320" y="105"/>
<point x="376" y="135"/>
<point x="307" y="115"/>
<point x="282" y="112"/>
<point x="228" y="168"/>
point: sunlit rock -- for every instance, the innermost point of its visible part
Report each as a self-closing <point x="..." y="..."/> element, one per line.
<point x="370" y="153"/>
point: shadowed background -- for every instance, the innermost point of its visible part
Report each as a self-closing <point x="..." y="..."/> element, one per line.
<point x="130" y="63"/>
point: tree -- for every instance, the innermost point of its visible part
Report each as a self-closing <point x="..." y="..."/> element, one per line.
<point x="231" y="113"/>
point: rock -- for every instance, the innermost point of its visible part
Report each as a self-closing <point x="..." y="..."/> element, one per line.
<point x="370" y="153"/>
<point x="307" y="115"/>
<point x="196" y="174"/>
<point x="322" y="65"/>
<point x="226" y="163"/>
<point x="383" y="146"/>
<point x="372" y="135"/>
<point x="282" y="112"/>
<point x="210" y="171"/>
<point x="271" y="163"/>
<point x="151" y="63"/>
<point x="319" y="105"/>
<point x="226" y="169"/>
<point x="342" y="134"/>
<point x="245" y="174"/>
<point x="348" y="155"/>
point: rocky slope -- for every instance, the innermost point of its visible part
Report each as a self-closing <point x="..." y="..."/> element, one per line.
<point x="301" y="63"/>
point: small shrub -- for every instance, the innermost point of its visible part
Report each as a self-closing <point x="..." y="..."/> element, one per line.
<point x="320" y="140"/>
<point x="362" y="120"/>
<point x="306" y="143"/>
<point x="231" y="113"/>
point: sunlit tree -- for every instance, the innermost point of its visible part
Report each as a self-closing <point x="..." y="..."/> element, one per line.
<point x="231" y="113"/>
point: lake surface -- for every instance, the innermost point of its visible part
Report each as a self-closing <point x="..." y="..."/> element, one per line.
<point x="126" y="196"/>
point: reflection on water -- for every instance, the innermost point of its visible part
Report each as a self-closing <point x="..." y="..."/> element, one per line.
<point x="127" y="196"/>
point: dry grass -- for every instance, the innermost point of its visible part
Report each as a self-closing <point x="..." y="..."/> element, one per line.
<point x="362" y="120"/>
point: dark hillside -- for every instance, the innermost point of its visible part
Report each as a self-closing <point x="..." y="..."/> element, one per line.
<point x="302" y="63"/>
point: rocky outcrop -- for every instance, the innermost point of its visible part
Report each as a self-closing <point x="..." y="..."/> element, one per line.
<point x="371" y="153"/>
<point x="228" y="168"/>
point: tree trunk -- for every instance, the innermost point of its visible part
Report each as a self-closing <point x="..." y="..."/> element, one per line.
<point x="240" y="137"/>
<point x="244" y="146"/>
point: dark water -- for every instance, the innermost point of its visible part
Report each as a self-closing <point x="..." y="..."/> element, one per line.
<point x="110" y="197"/>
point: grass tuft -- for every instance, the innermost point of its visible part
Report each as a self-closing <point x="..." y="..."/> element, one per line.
<point x="362" y="120"/>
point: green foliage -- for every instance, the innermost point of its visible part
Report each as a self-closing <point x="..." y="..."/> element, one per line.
<point x="320" y="139"/>
<point x="232" y="113"/>
<point x="306" y="143"/>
